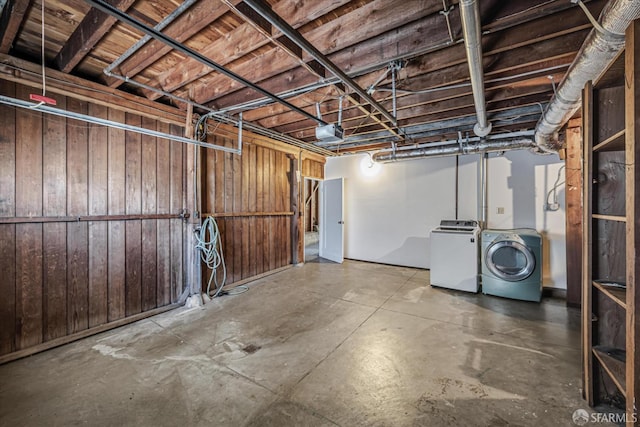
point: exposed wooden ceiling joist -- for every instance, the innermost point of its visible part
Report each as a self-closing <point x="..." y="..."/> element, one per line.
<point x="92" y="28"/>
<point x="244" y="40"/>
<point x="523" y="43"/>
<point x="12" y="15"/>
<point x="181" y="29"/>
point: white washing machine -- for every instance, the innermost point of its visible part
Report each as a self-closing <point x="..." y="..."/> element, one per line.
<point x="512" y="264"/>
<point x="454" y="255"/>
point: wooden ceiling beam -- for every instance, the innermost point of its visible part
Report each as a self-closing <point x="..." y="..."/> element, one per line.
<point x="296" y="52"/>
<point x="93" y="27"/>
<point x="515" y="116"/>
<point x="420" y="110"/>
<point x="380" y="16"/>
<point x="372" y="54"/>
<point x="28" y="73"/>
<point x="532" y="73"/>
<point x="334" y="36"/>
<point x="498" y="14"/>
<point x="190" y="23"/>
<point x="528" y="97"/>
<point x="507" y="97"/>
<point x="517" y="58"/>
<point x="560" y="51"/>
<point x="12" y="16"/>
<point x="243" y="40"/>
<point x="379" y="51"/>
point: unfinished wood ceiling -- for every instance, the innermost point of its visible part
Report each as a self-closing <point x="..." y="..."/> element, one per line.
<point x="527" y="47"/>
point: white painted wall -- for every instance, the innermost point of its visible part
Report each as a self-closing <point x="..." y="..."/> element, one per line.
<point x="388" y="215"/>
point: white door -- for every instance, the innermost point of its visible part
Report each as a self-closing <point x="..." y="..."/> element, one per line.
<point x="331" y="220"/>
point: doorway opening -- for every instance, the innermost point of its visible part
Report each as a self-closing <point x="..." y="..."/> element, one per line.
<point x="311" y="220"/>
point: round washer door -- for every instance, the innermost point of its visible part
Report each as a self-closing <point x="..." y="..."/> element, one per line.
<point x="510" y="260"/>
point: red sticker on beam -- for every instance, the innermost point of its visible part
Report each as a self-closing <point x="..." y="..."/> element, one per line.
<point x="41" y="98"/>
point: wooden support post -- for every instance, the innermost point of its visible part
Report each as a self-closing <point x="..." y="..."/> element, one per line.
<point x="632" y="205"/>
<point x="587" y="325"/>
<point x="573" y="200"/>
<point x="294" y="199"/>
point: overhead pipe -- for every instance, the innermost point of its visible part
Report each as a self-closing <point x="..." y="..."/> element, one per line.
<point x="455" y="149"/>
<point x="482" y="205"/>
<point x="471" y="30"/>
<point x="526" y="114"/>
<point x="123" y="17"/>
<point x="600" y="47"/>
<point x="14" y="102"/>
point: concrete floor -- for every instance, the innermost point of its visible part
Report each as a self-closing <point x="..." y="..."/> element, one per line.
<point x="356" y="344"/>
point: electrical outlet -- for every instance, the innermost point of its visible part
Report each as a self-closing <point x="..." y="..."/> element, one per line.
<point x="500" y="211"/>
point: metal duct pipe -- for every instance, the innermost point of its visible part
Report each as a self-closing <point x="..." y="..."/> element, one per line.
<point x="598" y="50"/>
<point x="471" y="30"/>
<point x="457" y="149"/>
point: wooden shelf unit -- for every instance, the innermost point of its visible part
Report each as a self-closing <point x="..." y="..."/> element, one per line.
<point x="614" y="363"/>
<point x="614" y="143"/>
<point x="611" y="205"/>
<point x="617" y="294"/>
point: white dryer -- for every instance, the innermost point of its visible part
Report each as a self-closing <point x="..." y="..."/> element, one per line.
<point x="512" y="264"/>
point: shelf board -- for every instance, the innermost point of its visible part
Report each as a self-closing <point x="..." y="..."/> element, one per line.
<point x="615" y="142"/>
<point x="616" y="293"/>
<point x="613" y="361"/>
<point x="618" y="218"/>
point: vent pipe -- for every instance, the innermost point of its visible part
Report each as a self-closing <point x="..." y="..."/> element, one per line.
<point x="471" y="30"/>
<point x="454" y="149"/>
<point x="600" y="47"/>
<point x="482" y="200"/>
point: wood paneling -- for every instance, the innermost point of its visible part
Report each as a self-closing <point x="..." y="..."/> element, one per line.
<point x="133" y="229"/>
<point x="69" y="266"/>
<point x="7" y="232"/>
<point x="116" y="243"/>
<point x="77" y="233"/>
<point x="312" y="169"/>
<point x="149" y="289"/>
<point x="28" y="201"/>
<point x="253" y="191"/>
<point x="98" y="231"/>
<point x="176" y="183"/>
<point x="163" y="194"/>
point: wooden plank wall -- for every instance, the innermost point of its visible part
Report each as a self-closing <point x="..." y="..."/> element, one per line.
<point x="249" y="196"/>
<point x="312" y="169"/>
<point x="61" y="276"/>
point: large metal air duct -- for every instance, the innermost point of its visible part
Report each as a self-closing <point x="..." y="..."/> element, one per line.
<point x="454" y="149"/>
<point x="598" y="50"/>
<point x="471" y="29"/>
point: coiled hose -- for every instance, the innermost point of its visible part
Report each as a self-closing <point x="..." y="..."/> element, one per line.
<point x="208" y="242"/>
